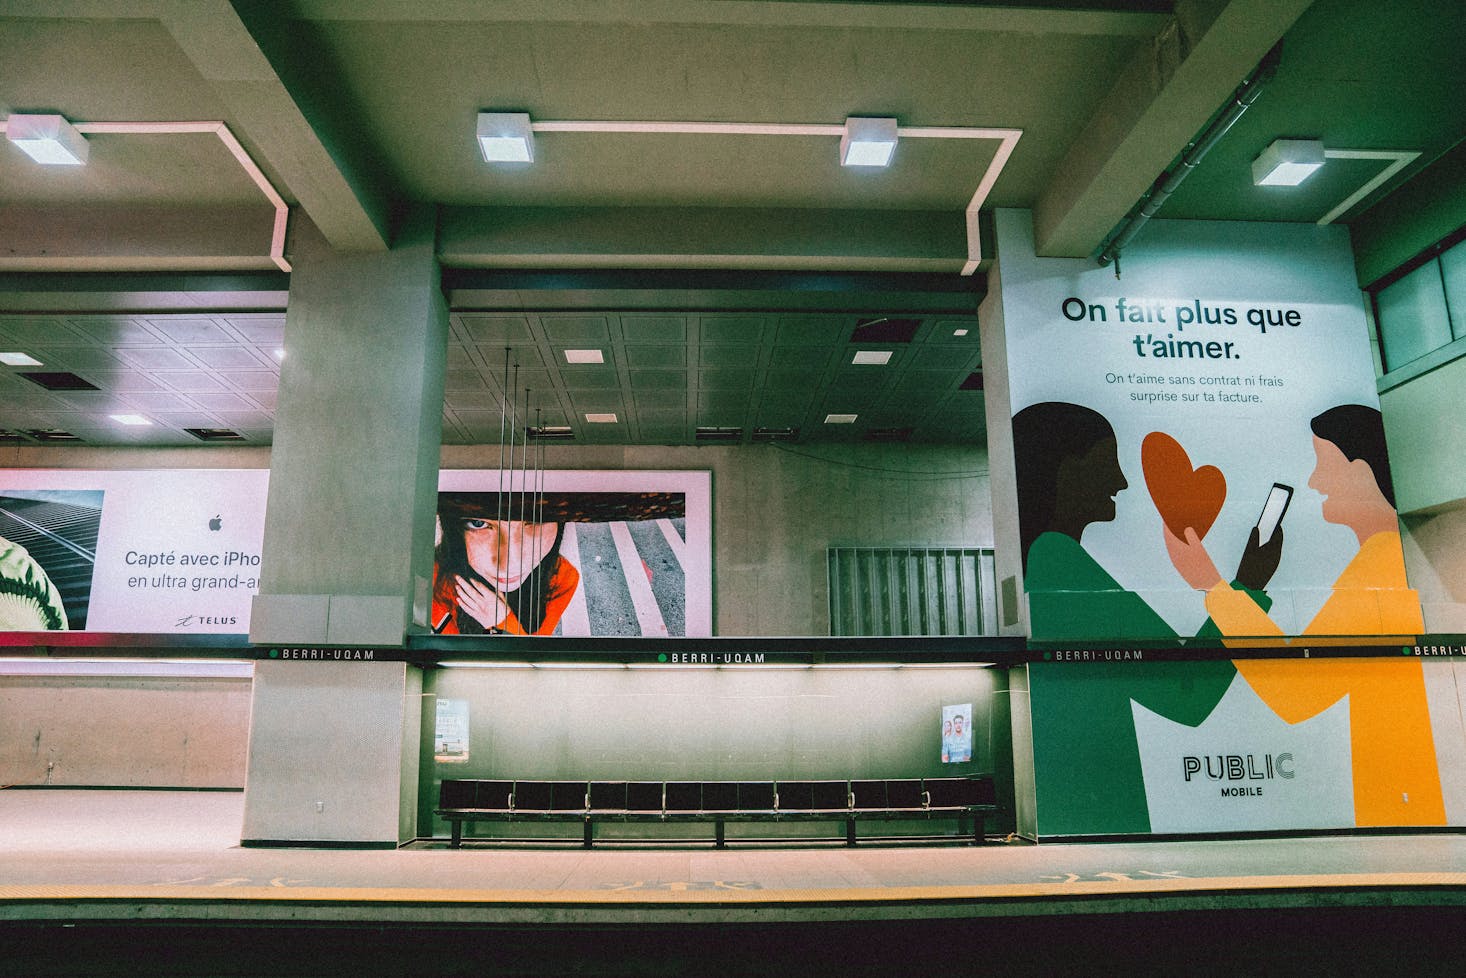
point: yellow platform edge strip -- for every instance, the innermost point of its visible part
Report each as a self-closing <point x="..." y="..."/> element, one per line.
<point x="750" y="897"/>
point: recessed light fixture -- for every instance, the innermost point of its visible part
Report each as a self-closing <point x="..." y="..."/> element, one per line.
<point x="215" y="434"/>
<point x="875" y="358"/>
<point x="959" y="332"/>
<point x="840" y="418"/>
<point x="1287" y="162"/>
<point x="130" y="419"/>
<point x="601" y="418"/>
<point x="867" y="142"/>
<point x="505" y="137"/>
<point x="47" y="139"/>
<point x="584" y="356"/>
<point x="709" y="433"/>
<point x="19" y="360"/>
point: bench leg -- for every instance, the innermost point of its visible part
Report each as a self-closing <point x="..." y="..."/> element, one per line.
<point x="457" y="835"/>
<point x="977" y="834"/>
<point x="589" y="832"/>
<point x="720" y="838"/>
<point x="850" y="831"/>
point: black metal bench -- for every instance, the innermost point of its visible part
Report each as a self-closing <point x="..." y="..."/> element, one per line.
<point x="719" y="802"/>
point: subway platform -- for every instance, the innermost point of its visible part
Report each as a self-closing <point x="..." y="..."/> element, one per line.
<point x="152" y="882"/>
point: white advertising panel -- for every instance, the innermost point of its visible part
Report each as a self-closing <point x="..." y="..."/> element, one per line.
<point x="179" y="551"/>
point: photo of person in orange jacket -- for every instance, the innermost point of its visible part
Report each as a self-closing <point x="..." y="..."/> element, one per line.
<point x="499" y="567"/>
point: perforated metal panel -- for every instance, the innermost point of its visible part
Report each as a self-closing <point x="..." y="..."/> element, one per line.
<point x="912" y="591"/>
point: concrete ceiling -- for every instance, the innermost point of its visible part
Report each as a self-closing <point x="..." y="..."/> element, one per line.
<point x="356" y="111"/>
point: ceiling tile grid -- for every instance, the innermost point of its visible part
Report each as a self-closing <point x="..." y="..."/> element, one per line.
<point x="662" y="375"/>
<point x="177" y="371"/>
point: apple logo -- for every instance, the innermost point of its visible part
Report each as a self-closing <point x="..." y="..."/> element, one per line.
<point x="216" y="523"/>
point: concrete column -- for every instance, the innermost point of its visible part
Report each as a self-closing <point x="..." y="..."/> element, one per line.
<point x="333" y="755"/>
<point x="354" y="465"/>
<point x="1007" y="549"/>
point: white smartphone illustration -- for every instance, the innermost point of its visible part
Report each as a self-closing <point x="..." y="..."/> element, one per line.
<point x="1272" y="511"/>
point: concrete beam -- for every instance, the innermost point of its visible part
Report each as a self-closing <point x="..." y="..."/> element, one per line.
<point x="702" y="237"/>
<point x="1162" y="99"/>
<point x="1139" y="18"/>
<point x="122" y="238"/>
<point x="288" y="116"/>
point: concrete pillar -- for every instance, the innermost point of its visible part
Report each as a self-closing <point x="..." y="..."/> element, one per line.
<point x="1007" y="549"/>
<point x="348" y="544"/>
<point x="354" y="465"/>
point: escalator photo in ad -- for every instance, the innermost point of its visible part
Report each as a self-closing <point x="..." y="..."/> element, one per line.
<point x="48" y="551"/>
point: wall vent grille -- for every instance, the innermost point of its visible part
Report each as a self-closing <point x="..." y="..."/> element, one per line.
<point x="912" y="591"/>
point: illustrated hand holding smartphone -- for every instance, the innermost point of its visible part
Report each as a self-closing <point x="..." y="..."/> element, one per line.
<point x="1265" y="543"/>
<point x="1272" y="511"/>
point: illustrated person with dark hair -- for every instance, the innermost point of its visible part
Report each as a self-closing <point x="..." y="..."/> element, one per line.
<point x="29" y="602"/>
<point x="1371" y="596"/>
<point x="1068" y="474"/>
<point x="1396" y="777"/>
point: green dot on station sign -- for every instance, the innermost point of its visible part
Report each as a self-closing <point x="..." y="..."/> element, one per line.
<point x="274" y="653"/>
<point x="662" y="657"/>
<point x="1048" y="656"/>
<point x="1405" y="650"/>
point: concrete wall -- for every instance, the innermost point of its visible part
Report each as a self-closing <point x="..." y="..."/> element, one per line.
<point x="729" y="723"/>
<point x="776" y="509"/>
<point x="1428" y="461"/>
<point x="123" y="731"/>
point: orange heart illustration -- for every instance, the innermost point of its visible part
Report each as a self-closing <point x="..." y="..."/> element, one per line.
<point x="1184" y="496"/>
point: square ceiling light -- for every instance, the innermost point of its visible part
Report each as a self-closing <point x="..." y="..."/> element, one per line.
<point x="1287" y="162"/>
<point x="505" y="137"/>
<point x="48" y="139"/>
<point x="867" y="142"/>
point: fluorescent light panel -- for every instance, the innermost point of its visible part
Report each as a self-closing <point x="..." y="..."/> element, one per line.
<point x="601" y="418"/>
<point x="130" y="419"/>
<point x="505" y="137"/>
<point x="868" y="142"/>
<point x="1287" y="162"/>
<point x="47" y="139"/>
<point x="875" y="358"/>
<point x="17" y="359"/>
<point x="840" y="418"/>
<point x="584" y="356"/>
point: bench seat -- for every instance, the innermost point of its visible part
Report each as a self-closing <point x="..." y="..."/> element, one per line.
<point x="719" y="802"/>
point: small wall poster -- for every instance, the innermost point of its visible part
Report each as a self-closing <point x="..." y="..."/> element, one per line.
<point x="957" y="733"/>
<point x="450" y="741"/>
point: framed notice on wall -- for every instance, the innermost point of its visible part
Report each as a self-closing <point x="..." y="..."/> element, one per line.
<point x="450" y="738"/>
<point x="957" y="733"/>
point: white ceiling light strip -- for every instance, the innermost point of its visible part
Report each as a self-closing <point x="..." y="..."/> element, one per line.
<point x="1007" y="140"/>
<point x="219" y="129"/>
<point x="1399" y="160"/>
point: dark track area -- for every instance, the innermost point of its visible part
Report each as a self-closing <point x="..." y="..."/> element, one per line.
<point x="1324" y="941"/>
